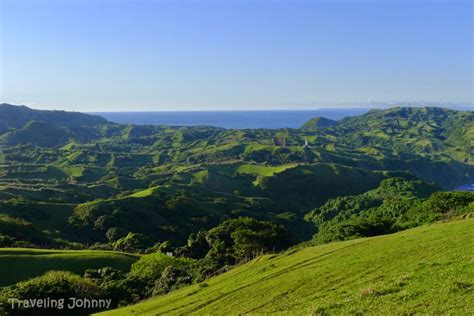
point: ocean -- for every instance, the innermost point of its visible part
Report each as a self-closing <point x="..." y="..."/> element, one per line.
<point x="467" y="187"/>
<point x="229" y="119"/>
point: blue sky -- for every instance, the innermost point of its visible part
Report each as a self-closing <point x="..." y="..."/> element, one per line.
<point x="106" y="55"/>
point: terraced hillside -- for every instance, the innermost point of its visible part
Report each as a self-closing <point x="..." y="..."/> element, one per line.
<point x="426" y="270"/>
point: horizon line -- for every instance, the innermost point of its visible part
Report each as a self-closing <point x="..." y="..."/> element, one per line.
<point x="366" y="107"/>
<point x="361" y="105"/>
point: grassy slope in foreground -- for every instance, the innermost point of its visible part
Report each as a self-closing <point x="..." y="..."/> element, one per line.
<point x="424" y="270"/>
<point x="17" y="264"/>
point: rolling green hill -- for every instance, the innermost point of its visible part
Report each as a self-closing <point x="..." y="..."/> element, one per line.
<point x="316" y="123"/>
<point x="433" y="274"/>
<point x="74" y="161"/>
<point x="422" y="130"/>
<point x="37" y="133"/>
<point x="19" y="264"/>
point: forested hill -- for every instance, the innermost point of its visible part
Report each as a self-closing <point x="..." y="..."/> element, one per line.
<point x="12" y="116"/>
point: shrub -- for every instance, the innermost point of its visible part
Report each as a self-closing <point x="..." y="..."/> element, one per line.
<point x="54" y="285"/>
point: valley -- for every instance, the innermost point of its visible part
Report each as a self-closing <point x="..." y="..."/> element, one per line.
<point x="196" y="216"/>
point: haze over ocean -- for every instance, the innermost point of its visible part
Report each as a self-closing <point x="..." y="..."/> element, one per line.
<point x="233" y="119"/>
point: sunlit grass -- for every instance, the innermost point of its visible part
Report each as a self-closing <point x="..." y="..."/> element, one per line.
<point x="426" y="270"/>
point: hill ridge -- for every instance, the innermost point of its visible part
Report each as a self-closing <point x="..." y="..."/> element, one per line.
<point x="16" y="116"/>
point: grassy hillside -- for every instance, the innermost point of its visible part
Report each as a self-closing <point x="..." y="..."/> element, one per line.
<point x="29" y="263"/>
<point x="433" y="273"/>
<point x="317" y="122"/>
<point x="428" y="131"/>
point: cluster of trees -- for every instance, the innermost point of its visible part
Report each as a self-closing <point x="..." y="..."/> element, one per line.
<point x="206" y="253"/>
<point x="236" y="240"/>
<point x="16" y="232"/>
<point x="397" y="204"/>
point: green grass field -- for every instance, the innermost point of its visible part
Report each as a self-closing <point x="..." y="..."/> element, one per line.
<point x="262" y="170"/>
<point x="258" y="170"/>
<point x="143" y="193"/>
<point x="18" y="264"/>
<point x="427" y="270"/>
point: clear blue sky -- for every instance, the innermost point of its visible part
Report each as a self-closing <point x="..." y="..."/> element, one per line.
<point x="107" y="55"/>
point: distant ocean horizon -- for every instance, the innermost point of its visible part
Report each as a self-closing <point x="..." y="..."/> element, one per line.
<point x="230" y="119"/>
<point x="239" y="119"/>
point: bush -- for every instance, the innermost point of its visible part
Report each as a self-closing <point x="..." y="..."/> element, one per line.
<point x="54" y="285"/>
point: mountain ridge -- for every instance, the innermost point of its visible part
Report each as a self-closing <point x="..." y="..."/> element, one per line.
<point x="16" y="116"/>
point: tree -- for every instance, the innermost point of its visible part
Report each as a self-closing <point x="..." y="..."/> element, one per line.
<point x="131" y="243"/>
